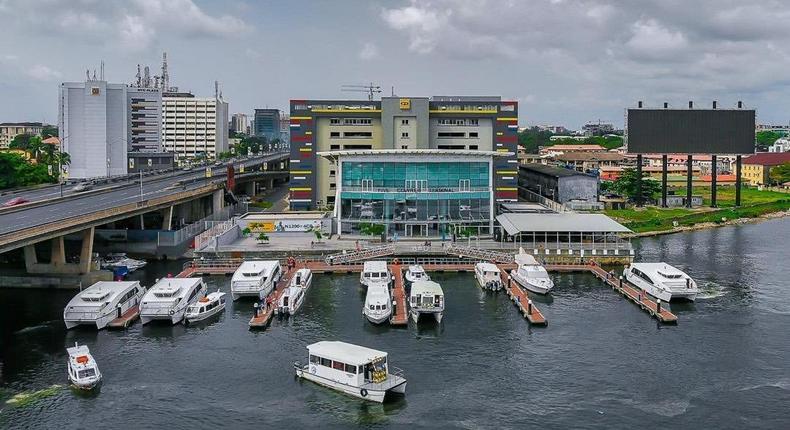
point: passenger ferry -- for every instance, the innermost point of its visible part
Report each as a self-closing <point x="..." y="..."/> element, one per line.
<point x="416" y="273"/>
<point x="488" y="276"/>
<point x="531" y="275"/>
<point x="426" y="298"/>
<point x="101" y="303"/>
<point x="662" y="281"/>
<point x="205" y="307"/>
<point x="378" y="305"/>
<point x="83" y="372"/>
<point x="351" y="369"/>
<point x="293" y="296"/>
<point x="169" y="299"/>
<point x="375" y="272"/>
<point x="255" y="279"/>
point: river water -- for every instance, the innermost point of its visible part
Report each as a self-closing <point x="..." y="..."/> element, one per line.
<point x="601" y="363"/>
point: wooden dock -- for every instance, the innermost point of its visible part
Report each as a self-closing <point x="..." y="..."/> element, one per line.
<point x="401" y="315"/>
<point x="521" y="299"/>
<point x="126" y="319"/>
<point x="265" y="314"/>
<point x="625" y="288"/>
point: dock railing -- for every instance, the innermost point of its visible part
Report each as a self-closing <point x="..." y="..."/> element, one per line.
<point x="363" y="254"/>
<point x="480" y="254"/>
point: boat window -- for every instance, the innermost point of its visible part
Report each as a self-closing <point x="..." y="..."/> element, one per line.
<point x="372" y="307"/>
<point x="351" y="369"/>
<point x="670" y="275"/>
<point x="86" y="373"/>
<point x="338" y="365"/>
<point x="326" y="362"/>
<point x="315" y="359"/>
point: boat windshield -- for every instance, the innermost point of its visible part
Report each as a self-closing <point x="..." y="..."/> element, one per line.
<point x="87" y="373"/>
<point x="670" y="275"/>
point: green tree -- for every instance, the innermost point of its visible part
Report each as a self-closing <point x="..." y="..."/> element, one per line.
<point x="371" y="229"/>
<point x="15" y="171"/>
<point x="533" y="138"/>
<point x="780" y="174"/>
<point x="764" y="139"/>
<point x="625" y="185"/>
<point x="49" y="131"/>
<point x="21" y="141"/>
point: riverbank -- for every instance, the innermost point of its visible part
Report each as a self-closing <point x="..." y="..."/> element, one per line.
<point x="708" y="225"/>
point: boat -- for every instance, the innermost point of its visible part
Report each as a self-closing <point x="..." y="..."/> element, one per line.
<point x="531" y="275"/>
<point x="119" y="259"/>
<point x="351" y="369"/>
<point x="205" y="307"/>
<point x="101" y="303"/>
<point x="378" y="307"/>
<point x="83" y="372"/>
<point x="662" y="281"/>
<point x="169" y="298"/>
<point x="415" y="272"/>
<point x="293" y="296"/>
<point x="488" y="276"/>
<point x="426" y="298"/>
<point x="375" y="272"/>
<point x="255" y="279"/>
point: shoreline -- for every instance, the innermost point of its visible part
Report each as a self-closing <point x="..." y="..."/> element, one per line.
<point x="709" y="225"/>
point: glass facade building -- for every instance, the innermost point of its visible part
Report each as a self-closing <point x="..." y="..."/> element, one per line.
<point x="427" y="194"/>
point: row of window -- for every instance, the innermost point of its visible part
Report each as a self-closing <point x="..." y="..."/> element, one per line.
<point x="458" y="135"/>
<point x="337" y="365"/>
<point x="351" y="135"/>
<point x="350" y="147"/>
<point x="458" y="121"/>
<point x="350" y="121"/>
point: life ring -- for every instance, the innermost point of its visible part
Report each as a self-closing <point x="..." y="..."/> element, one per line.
<point x="363" y="392"/>
<point x="172" y="312"/>
<point x="312" y="370"/>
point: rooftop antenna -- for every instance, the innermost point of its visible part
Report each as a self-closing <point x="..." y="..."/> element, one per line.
<point x="371" y="89"/>
<point x="102" y="70"/>
<point x="137" y="77"/>
<point x="146" y="77"/>
<point x="165" y="76"/>
<point x="94" y="74"/>
<point x="156" y="81"/>
<point x="216" y="89"/>
<point x="87" y="74"/>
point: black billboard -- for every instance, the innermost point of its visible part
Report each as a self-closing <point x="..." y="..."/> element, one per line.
<point x="692" y="131"/>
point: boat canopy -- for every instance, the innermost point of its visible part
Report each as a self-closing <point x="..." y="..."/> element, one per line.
<point x="661" y="269"/>
<point x="415" y="268"/>
<point x="524" y="259"/>
<point x="345" y="352"/>
<point x="257" y="268"/>
<point x="488" y="267"/>
<point x="426" y="288"/>
<point x="375" y="266"/>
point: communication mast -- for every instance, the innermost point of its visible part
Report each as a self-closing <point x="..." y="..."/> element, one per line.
<point x="370" y="89"/>
<point x="165" y="75"/>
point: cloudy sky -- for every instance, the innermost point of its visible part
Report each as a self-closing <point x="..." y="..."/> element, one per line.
<point x="565" y="61"/>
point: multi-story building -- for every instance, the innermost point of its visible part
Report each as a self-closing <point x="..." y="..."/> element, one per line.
<point x="419" y="166"/>
<point x="757" y="168"/>
<point x="93" y="127"/>
<point x="267" y="124"/>
<point x="597" y="128"/>
<point x="239" y="123"/>
<point x="285" y="130"/>
<point x="145" y="119"/>
<point x="194" y="126"/>
<point x="780" y="145"/>
<point x="10" y="130"/>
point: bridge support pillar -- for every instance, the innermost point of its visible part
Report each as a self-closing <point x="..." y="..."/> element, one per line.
<point x="86" y="253"/>
<point x="58" y="252"/>
<point x="167" y="218"/>
<point x="269" y="184"/>
<point x="249" y="188"/>
<point x="217" y="200"/>
<point x="57" y="264"/>
<point x="142" y="222"/>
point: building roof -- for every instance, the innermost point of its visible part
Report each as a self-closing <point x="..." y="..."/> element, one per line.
<point x="590" y="156"/>
<point x="557" y="172"/>
<point x="515" y="223"/>
<point x="328" y="154"/>
<point x="345" y="352"/>
<point x="768" y="158"/>
<point x="21" y="124"/>
<point x="580" y="147"/>
<point x="52" y="140"/>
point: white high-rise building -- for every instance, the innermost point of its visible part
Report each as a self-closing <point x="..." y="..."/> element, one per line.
<point x="145" y="119"/>
<point x="239" y="123"/>
<point x="92" y="122"/>
<point x="194" y="125"/>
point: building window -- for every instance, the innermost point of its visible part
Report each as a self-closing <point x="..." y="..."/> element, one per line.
<point x="404" y="147"/>
<point x="404" y="122"/>
<point x="473" y="135"/>
<point x="332" y="186"/>
<point x="357" y="146"/>
<point x="404" y="135"/>
<point x="331" y="173"/>
<point x="334" y="121"/>
<point x="507" y="108"/>
<point x="334" y="147"/>
<point x="358" y="135"/>
<point x="473" y="147"/>
<point x="334" y="135"/>
<point x="451" y="135"/>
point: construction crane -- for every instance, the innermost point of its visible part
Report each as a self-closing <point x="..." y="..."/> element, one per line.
<point x="371" y="89"/>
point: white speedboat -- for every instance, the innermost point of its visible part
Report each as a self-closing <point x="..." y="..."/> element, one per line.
<point x="488" y="276"/>
<point x="375" y="272"/>
<point x="82" y="370"/>
<point x="378" y="306"/>
<point x="662" y="281"/>
<point x="415" y="272"/>
<point x="351" y="369"/>
<point x="293" y="296"/>
<point x="255" y="279"/>
<point x="169" y="298"/>
<point x="119" y="259"/>
<point x="531" y="275"/>
<point x="101" y="303"/>
<point x="426" y="298"/>
<point x="205" y="307"/>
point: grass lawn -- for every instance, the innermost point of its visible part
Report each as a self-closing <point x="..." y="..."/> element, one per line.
<point x="754" y="203"/>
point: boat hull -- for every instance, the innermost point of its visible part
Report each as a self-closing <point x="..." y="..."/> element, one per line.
<point x="665" y="295"/>
<point x="174" y="319"/>
<point x="417" y="314"/>
<point x="371" y="395"/>
<point x="532" y="286"/>
<point x="378" y="318"/>
<point x="205" y="315"/>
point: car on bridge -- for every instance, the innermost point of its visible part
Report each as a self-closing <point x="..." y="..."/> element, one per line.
<point x="15" y="201"/>
<point x="82" y="186"/>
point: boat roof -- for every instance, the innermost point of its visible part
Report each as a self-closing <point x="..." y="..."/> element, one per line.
<point x="488" y="267"/>
<point x="375" y="266"/>
<point x="416" y="268"/>
<point x="108" y="289"/>
<point x="651" y="268"/>
<point x="171" y="285"/>
<point x="526" y="259"/>
<point x="77" y="350"/>
<point x="262" y="267"/>
<point x="378" y="290"/>
<point x="426" y="287"/>
<point x="346" y="352"/>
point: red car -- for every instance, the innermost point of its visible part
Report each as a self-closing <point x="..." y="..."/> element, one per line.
<point x="15" y="201"/>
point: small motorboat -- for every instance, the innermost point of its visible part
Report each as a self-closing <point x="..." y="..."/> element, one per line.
<point x="83" y="371"/>
<point x="205" y="307"/>
<point x="488" y="276"/>
<point x="293" y="296"/>
<point x="531" y="274"/>
<point x="119" y="259"/>
<point x="414" y="273"/>
<point x="662" y="281"/>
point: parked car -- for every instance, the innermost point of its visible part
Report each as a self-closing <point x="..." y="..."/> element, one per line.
<point x="15" y="201"/>
<point x="82" y="186"/>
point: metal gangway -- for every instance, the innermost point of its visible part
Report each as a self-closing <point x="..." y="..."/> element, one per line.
<point x="364" y="254"/>
<point x="479" y="254"/>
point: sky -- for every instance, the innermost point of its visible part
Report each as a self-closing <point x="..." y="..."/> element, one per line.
<point x="566" y="62"/>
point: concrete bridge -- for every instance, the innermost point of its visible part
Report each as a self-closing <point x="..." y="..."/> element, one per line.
<point x="162" y="201"/>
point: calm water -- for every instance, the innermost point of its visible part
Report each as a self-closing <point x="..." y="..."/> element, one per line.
<point x="601" y="362"/>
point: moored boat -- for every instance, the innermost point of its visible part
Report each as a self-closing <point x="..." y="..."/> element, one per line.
<point x="119" y="259"/>
<point x="488" y="276"/>
<point x="101" y="303"/>
<point x="375" y="272"/>
<point x="351" y="369"/>
<point x="293" y="296"/>
<point x="426" y="298"/>
<point x="83" y="372"/>
<point x="415" y="272"/>
<point x="205" y="307"/>
<point x="531" y="275"/>
<point x="169" y="298"/>
<point x="255" y="279"/>
<point x="378" y="306"/>
<point x="662" y="281"/>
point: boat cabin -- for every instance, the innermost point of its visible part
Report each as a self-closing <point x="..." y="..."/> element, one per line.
<point x="487" y="270"/>
<point x="426" y="294"/>
<point x="376" y="271"/>
<point x="258" y="272"/>
<point x="206" y="304"/>
<point x="347" y="363"/>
